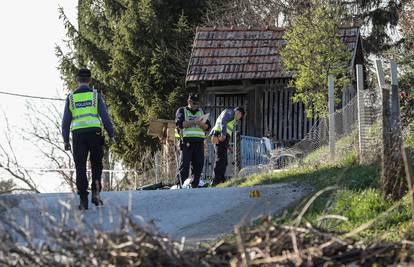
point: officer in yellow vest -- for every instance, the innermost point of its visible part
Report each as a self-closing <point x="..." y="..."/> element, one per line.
<point x="191" y="133"/>
<point x="220" y="137"/>
<point x="85" y="115"/>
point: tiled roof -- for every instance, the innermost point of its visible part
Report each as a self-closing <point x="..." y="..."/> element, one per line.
<point x="240" y="53"/>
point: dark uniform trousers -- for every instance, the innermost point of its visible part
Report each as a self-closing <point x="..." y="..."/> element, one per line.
<point x="220" y="164"/>
<point x="192" y="152"/>
<point x="83" y="144"/>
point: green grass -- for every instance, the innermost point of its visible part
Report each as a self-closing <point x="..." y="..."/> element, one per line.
<point x="318" y="175"/>
<point x="360" y="207"/>
<point x="358" y="198"/>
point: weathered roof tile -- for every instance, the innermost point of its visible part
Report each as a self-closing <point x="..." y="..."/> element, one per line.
<point x="239" y="53"/>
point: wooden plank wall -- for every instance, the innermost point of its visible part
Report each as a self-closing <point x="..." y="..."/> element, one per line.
<point x="270" y="111"/>
<point x="284" y="121"/>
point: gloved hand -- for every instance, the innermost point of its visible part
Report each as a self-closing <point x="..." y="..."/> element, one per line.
<point x="67" y="146"/>
<point x="222" y="137"/>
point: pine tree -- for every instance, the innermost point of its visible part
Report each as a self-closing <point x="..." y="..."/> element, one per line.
<point x="138" y="52"/>
<point x="378" y="18"/>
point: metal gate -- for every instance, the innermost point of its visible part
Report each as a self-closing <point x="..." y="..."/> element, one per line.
<point x="252" y="152"/>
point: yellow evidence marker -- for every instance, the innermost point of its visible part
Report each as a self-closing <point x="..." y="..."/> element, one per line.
<point x="254" y="193"/>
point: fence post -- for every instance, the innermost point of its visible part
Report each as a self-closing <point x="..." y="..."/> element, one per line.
<point x="392" y="182"/>
<point x="361" y="112"/>
<point x="386" y="136"/>
<point x="236" y="151"/>
<point x="157" y="159"/>
<point x="106" y="178"/>
<point x="396" y="132"/>
<point x="385" y="93"/>
<point x="331" y="104"/>
<point x="395" y="99"/>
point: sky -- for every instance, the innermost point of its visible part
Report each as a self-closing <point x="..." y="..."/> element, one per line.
<point x="29" y="32"/>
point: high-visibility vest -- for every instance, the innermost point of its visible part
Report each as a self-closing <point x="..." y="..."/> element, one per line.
<point x="193" y="131"/>
<point x="84" y="109"/>
<point x="230" y="125"/>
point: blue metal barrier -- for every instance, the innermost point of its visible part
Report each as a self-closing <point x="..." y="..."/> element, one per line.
<point x="253" y="152"/>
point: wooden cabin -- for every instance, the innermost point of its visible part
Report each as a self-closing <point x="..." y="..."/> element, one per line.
<point x="243" y="67"/>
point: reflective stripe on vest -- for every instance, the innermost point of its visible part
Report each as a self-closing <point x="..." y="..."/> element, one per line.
<point x="85" y="115"/>
<point x="84" y="109"/>
<point x="85" y="123"/>
<point x="194" y="131"/>
<point x="230" y="125"/>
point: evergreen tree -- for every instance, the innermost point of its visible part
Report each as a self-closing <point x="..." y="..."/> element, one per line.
<point x="378" y="18"/>
<point x="138" y="52"/>
<point x="405" y="52"/>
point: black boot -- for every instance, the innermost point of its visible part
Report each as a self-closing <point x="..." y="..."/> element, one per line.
<point x="83" y="203"/>
<point x="96" y="199"/>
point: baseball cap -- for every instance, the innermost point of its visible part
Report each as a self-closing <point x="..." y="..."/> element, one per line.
<point x="194" y="97"/>
<point x="84" y="73"/>
<point x="241" y="110"/>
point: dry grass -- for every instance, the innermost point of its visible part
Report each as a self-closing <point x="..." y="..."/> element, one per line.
<point x="131" y="245"/>
<point x="268" y="243"/>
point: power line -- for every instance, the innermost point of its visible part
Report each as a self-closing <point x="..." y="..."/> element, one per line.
<point x="31" y="96"/>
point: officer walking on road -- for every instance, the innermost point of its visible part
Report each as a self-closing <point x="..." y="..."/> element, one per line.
<point x="220" y="137"/>
<point x="191" y="132"/>
<point x="84" y="114"/>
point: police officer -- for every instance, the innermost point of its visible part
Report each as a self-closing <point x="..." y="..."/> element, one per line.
<point x="191" y="133"/>
<point x="84" y="115"/>
<point x="220" y="137"/>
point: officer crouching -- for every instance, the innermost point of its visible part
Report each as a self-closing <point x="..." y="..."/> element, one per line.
<point x="191" y="131"/>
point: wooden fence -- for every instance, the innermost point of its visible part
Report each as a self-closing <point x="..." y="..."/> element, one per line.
<point x="283" y="120"/>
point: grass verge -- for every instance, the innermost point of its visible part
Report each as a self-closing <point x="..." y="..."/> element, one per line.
<point x="357" y="200"/>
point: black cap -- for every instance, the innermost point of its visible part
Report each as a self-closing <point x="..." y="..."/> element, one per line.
<point x="84" y="73"/>
<point x="241" y="110"/>
<point x="193" y="97"/>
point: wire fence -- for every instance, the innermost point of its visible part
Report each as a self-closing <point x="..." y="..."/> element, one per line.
<point x="314" y="147"/>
